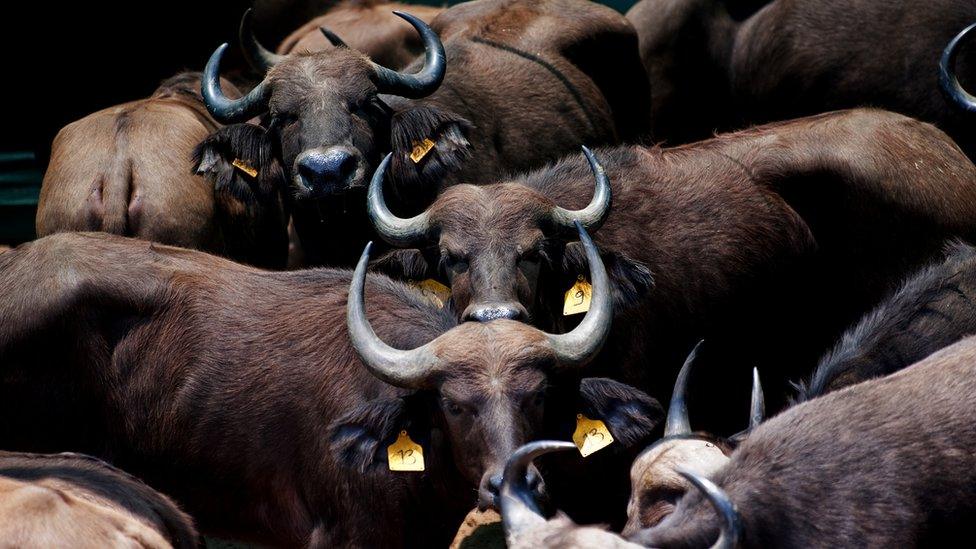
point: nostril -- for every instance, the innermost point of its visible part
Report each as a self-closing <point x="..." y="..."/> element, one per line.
<point x="346" y="165"/>
<point x="495" y="484"/>
<point x="534" y="481"/>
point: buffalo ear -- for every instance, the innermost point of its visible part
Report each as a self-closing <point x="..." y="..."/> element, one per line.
<point x="630" y="280"/>
<point x="631" y="415"/>
<point x="359" y="438"/>
<point x="410" y="128"/>
<point x="406" y="264"/>
<point x="257" y="172"/>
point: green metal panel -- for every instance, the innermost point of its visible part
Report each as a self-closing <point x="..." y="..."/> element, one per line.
<point x="20" y="185"/>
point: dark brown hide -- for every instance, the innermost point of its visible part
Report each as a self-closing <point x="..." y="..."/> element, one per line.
<point x="238" y="392"/>
<point x="366" y="27"/>
<point x="712" y="71"/>
<point x="69" y="499"/>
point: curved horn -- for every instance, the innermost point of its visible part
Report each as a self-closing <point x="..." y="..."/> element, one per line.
<point x="423" y="83"/>
<point x="947" y="77"/>
<point x="407" y="369"/>
<point x="677" y="421"/>
<point x="395" y="230"/>
<point x="230" y="111"/>
<point x="333" y="38"/>
<point x="597" y="211"/>
<point x="579" y="346"/>
<point x="260" y="58"/>
<point x="730" y="531"/>
<point x="518" y="508"/>
<point x="757" y="406"/>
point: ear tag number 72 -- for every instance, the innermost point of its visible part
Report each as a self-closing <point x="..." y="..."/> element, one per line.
<point x="405" y="454"/>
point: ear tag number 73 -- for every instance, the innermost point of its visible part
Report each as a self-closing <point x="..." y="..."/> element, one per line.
<point x="405" y="454"/>
<point x="591" y="435"/>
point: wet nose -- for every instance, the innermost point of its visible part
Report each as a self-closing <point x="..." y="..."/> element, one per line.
<point x="325" y="171"/>
<point x="491" y="487"/>
<point x="487" y="313"/>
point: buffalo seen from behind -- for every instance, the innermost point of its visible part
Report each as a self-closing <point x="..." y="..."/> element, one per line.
<point x="127" y="170"/>
<point x="506" y="86"/>
<point x="72" y="500"/>
<point x="240" y="392"/>
<point x="715" y="70"/>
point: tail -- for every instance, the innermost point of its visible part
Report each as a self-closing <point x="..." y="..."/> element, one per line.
<point x="109" y="208"/>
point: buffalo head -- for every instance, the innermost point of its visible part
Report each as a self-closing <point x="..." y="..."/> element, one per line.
<point x="526" y="526"/>
<point x="325" y="116"/>
<point x="493" y="243"/>
<point x="656" y="477"/>
<point x="493" y="386"/>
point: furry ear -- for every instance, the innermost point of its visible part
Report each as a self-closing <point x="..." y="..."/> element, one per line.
<point x="631" y="415"/>
<point x="409" y="130"/>
<point x="239" y="162"/>
<point x="360" y="436"/>
<point x="407" y="264"/>
<point x="630" y="279"/>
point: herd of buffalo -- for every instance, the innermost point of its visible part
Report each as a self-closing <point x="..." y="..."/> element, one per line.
<point x="384" y="276"/>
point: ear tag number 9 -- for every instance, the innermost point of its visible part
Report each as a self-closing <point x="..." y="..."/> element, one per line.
<point x="420" y="150"/>
<point x="434" y="291"/>
<point x="578" y="297"/>
<point x="405" y="454"/>
<point x="591" y="435"/>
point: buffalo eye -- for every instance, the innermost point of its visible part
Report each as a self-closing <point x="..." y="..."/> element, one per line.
<point x="453" y="408"/>
<point x="456" y="263"/>
<point x="539" y="398"/>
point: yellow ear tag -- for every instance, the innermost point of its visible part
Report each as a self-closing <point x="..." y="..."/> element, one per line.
<point x="591" y="435"/>
<point x="434" y="291"/>
<point x="241" y="165"/>
<point x="405" y="454"/>
<point x="578" y="297"/>
<point x="420" y="150"/>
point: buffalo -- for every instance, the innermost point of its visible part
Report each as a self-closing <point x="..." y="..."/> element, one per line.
<point x="127" y="170"/>
<point x="767" y="242"/>
<point x="888" y="462"/>
<point x="931" y="310"/>
<point x="75" y="500"/>
<point x="528" y="82"/>
<point x="715" y="70"/>
<point x="364" y="26"/>
<point x="242" y="392"/>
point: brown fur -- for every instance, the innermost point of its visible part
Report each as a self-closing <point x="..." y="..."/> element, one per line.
<point x="126" y="170"/>
<point x="889" y="462"/>
<point x="71" y="499"/>
<point x="711" y="70"/>
<point x="365" y="27"/>
<point x="238" y="392"/>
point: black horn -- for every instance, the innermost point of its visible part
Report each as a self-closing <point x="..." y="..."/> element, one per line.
<point x="757" y="406"/>
<point x="677" y="422"/>
<point x="518" y="508"/>
<point x="224" y="109"/>
<point x="260" y="58"/>
<point x="596" y="212"/>
<point x="731" y="524"/>
<point x="333" y="38"/>
<point x="395" y="230"/>
<point x="408" y="369"/>
<point x="423" y="83"/>
<point x="578" y="347"/>
<point x="947" y="76"/>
